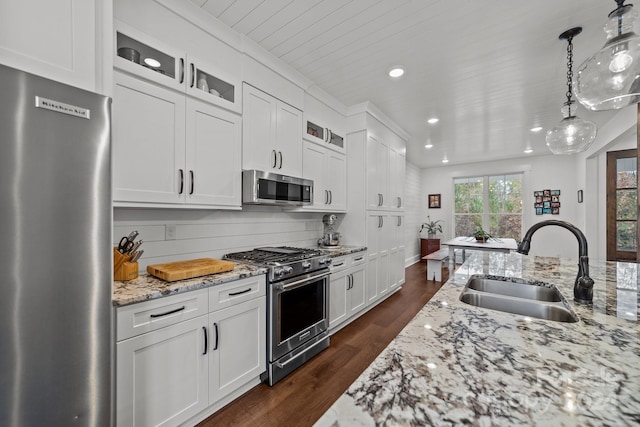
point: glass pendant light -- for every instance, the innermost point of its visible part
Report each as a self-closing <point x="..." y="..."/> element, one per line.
<point x="610" y="79"/>
<point x="573" y="134"/>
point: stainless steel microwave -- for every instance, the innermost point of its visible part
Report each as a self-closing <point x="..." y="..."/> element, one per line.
<point x="266" y="188"/>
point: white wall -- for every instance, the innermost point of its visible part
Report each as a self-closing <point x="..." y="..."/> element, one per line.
<point x="202" y="233"/>
<point x="540" y="173"/>
<point x="413" y="196"/>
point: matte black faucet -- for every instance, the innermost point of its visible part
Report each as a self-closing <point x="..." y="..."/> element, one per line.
<point x="583" y="287"/>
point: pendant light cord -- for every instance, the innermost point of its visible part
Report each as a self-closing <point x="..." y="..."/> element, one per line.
<point x="569" y="73"/>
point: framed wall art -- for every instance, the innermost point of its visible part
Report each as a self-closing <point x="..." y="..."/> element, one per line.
<point x="547" y="202"/>
<point x="434" y="201"/>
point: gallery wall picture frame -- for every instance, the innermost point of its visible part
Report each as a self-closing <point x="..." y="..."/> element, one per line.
<point x="434" y="201"/>
<point x="547" y="202"/>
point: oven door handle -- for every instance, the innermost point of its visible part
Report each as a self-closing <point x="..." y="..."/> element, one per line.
<point x="298" y="283"/>
<point x="282" y="365"/>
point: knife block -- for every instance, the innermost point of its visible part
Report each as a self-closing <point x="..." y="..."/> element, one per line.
<point x="123" y="269"/>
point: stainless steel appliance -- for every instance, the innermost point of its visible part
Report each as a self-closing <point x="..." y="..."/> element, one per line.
<point x="297" y="305"/>
<point x="331" y="238"/>
<point x="266" y="188"/>
<point x="55" y="257"/>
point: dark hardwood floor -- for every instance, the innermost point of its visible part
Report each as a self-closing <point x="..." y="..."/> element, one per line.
<point x="301" y="398"/>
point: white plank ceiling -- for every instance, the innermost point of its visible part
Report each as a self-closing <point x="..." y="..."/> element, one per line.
<point x="488" y="69"/>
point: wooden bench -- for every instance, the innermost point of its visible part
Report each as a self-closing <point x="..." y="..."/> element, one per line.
<point x="435" y="261"/>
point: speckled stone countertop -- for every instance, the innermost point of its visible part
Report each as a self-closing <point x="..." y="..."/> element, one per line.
<point x="146" y="287"/>
<point x="341" y="250"/>
<point x="458" y="364"/>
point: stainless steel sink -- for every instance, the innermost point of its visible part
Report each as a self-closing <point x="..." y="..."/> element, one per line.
<point x="527" y="298"/>
<point x="519" y="288"/>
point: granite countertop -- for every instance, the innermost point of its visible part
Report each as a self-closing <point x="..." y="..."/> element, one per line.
<point x="337" y="251"/>
<point x="459" y="364"/>
<point x="146" y="287"/>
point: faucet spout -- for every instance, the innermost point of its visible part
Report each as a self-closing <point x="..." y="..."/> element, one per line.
<point x="583" y="286"/>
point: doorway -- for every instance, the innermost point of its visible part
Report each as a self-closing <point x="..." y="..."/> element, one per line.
<point x="622" y="205"/>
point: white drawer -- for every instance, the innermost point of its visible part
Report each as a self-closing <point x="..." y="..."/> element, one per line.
<point x="136" y="319"/>
<point x="358" y="258"/>
<point x="339" y="263"/>
<point x="228" y="294"/>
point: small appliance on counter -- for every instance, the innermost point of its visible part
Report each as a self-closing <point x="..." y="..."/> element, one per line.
<point x="331" y="238"/>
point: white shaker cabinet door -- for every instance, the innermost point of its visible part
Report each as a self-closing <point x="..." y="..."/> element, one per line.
<point x="338" y="310"/>
<point x="259" y="130"/>
<point x="55" y="39"/>
<point x="148" y="142"/>
<point x="336" y="181"/>
<point x="289" y="140"/>
<point x="237" y="346"/>
<point x="162" y="376"/>
<point x="213" y="155"/>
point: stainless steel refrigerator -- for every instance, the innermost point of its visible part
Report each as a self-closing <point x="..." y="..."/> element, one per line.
<point x="55" y="253"/>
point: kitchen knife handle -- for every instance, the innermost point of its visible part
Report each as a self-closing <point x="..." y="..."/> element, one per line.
<point x="215" y="326"/>
<point x="181" y="181"/>
<point x="153" y="316"/>
<point x="193" y="74"/>
<point x="193" y="181"/>
<point x="181" y="70"/>
<point x="204" y="329"/>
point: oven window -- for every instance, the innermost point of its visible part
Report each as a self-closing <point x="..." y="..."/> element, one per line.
<point x="301" y="308"/>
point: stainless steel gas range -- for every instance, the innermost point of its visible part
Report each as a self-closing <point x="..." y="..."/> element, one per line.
<point x="297" y="305"/>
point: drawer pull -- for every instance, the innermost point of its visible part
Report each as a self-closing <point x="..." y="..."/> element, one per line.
<point x="358" y="259"/>
<point x="233" y="294"/>
<point x="338" y="265"/>
<point x="168" y="312"/>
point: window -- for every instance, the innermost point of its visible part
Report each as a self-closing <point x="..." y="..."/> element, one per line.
<point x="622" y="211"/>
<point x="491" y="202"/>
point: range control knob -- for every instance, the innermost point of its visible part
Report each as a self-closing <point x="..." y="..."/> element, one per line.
<point x="324" y="261"/>
<point x="278" y="272"/>
<point x="288" y="269"/>
<point x="306" y="265"/>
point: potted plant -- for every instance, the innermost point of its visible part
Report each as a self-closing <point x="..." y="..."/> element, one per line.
<point x="481" y="235"/>
<point x="432" y="228"/>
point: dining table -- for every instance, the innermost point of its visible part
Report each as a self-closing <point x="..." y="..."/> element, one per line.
<point x="494" y="244"/>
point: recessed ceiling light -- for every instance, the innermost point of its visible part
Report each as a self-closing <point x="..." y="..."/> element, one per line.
<point x="428" y="145"/>
<point x="396" y="71"/>
<point x="433" y="120"/>
<point x="445" y="160"/>
<point x="528" y="150"/>
<point x="152" y="62"/>
<point x="536" y="129"/>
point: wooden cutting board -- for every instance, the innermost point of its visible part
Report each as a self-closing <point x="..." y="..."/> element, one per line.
<point x="180" y="270"/>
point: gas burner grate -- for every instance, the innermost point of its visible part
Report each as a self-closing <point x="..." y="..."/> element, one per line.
<point x="280" y="254"/>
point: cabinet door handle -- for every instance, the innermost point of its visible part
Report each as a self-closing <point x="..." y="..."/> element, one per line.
<point x="399" y="202"/>
<point x="326" y="134"/>
<point x="350" y="281"/>
<point x="358" y="259"/>
<point x="329" y="135"/>
<point x="330" y="197"/>
<point x="181" y="70"/>
<point x="280" y="152"/>
<point x="338" y="265"/>
<point x="275" y="158"/>
<point x="399" y="221"/>
<point x="193" y="181"/>
<point x="215" y="326"/>
<point x="181" y="181"/>
<point x="204" y="329"/>
<point x="379" y="222"/>
<point x="233" y="294"/>
<point x="193" y="74"/>
<point x="326" y="197"/>
<point x="153" y="316"/>
<point x="381" y="199"/>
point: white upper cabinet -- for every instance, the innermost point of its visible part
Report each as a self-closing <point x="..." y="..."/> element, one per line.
<point x="55" y="39"/>
<point x="328" y="170"/>
<point x="152" y="59"/>
<point x="272" y="134"/>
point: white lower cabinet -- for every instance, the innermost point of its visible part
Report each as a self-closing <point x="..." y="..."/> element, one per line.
<point x="162" y="376"/>
<point x="347" y="293"/>
<point x="172" y="366"/>
<point x="238" y="349"/>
